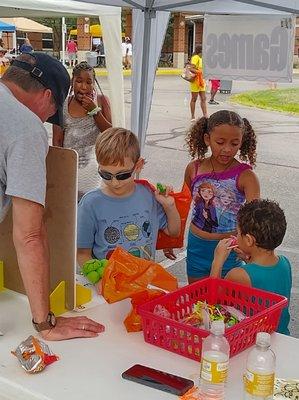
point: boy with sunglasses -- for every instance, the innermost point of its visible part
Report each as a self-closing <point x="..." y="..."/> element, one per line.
<point x="122" y="212"/>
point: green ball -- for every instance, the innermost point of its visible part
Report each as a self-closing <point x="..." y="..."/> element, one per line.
<point x="90" y="265"/>
<point x="93" y="276"/>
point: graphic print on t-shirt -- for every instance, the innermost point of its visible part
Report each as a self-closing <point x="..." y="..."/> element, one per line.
<point x="216" y="204"/>
<point x="133" y="233"/>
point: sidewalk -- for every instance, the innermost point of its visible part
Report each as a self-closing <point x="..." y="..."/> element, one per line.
<point x="128" y="72"/>
<point x="160" y="71"/>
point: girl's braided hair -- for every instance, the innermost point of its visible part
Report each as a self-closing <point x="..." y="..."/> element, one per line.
<point x="195" y="136"/>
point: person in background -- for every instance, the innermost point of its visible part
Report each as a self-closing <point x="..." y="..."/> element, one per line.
<point x="122" y="212"/>
<point x="215" y="86"/>
<point x="27" y="100"/>
<point x="26" y="47"/>
<point x="71" y="48"/>
<point x="197" y="86"/>
<point x="85" y="114"/>
<point x="129" y="53"/>
<point x="124" y="52"/>
<point x="260" y="230"/>
<point x="4" y="62"/>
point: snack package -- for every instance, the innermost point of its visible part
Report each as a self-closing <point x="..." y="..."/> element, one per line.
<point x="203" y="314"/>
<point x="34" y="355"/>
<point x="286" y="389"/>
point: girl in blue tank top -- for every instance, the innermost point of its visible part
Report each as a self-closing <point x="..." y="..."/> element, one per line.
<point x="219" y="183"/>
<point x="261" y="228"/>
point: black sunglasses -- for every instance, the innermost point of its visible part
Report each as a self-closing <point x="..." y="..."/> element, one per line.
<point x="120" y="176"/>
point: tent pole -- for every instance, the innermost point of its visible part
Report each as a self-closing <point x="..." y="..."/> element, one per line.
<point x="63" y="27"/>
<point x="14" y="42"/>
<point x="148" y="15"/>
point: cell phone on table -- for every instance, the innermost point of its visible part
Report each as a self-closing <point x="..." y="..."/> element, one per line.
<point x="158" y="379"/>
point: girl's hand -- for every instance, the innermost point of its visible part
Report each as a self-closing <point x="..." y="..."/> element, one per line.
<point x="165" y="200"/>
<point x="88" y="103"/>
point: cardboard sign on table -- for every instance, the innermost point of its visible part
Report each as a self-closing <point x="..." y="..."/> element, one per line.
<point x="60" y="217"/>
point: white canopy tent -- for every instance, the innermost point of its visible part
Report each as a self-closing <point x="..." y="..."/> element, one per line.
<point x="152" y="17"/>
<point x="110" y="18"/>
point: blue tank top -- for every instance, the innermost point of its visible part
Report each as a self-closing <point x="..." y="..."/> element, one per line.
<point x="277" y="279"/>
<point x="217" y="199"/>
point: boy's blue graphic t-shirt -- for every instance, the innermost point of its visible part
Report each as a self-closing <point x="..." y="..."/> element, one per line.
<point x="131" y="222"/>
<point x="277" y="279"/>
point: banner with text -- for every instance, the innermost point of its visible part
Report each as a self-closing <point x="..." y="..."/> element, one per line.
<point x="249" y="47"/>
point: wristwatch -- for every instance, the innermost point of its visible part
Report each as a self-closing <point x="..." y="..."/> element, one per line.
<point x="49" y="323"/>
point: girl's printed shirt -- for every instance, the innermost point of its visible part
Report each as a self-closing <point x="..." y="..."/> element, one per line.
<point x="217" y="199"/>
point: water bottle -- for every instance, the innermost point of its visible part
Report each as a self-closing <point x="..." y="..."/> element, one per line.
<point x="260" y="370"/>
<point x="214" y="363"/>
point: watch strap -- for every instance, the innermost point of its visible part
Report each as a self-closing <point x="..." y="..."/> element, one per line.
<point x="49" y="323"/>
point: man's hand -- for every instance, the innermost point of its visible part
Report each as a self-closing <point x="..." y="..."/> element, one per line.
<point x="88" y="103"/>
<point x="73" y="327"/>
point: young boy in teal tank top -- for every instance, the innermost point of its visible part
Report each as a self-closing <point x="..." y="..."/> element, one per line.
<point x="261" y="228"/>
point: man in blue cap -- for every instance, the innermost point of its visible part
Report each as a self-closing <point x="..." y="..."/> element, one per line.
<point x="32" y="91"/>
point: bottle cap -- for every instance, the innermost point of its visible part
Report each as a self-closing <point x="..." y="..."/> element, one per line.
<point x="217" y="327"/>
<point x="263" y="339"/>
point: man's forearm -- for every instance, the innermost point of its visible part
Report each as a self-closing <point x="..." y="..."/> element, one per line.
<point x="33" y="259"/>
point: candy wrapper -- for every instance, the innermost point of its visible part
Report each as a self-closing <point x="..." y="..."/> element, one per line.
<point x="203" y="314"/>
<point x="286" y="389"/>
<point x="34" y="355"/>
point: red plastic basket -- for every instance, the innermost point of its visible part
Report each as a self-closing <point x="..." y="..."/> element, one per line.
<point x="262" y="308"/>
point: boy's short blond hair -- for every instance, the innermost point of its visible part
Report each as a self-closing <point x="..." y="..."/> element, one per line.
<point x="115" y="144"/>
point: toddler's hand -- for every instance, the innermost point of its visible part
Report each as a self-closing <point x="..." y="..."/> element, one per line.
<point x="243" y="256"/>
<point x="165" y="200"/>
<point x="222" y="250"/>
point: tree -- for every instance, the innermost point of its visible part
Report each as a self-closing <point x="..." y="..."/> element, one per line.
<point x="56" y="25"/>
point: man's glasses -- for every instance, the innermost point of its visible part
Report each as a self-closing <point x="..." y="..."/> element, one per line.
<point x="120" y="176"/>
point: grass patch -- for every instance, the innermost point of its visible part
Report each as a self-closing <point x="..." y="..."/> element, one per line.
<point x="285" y="100"/>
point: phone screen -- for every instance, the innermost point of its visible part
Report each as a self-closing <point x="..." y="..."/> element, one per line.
<point x="158" y="379"/>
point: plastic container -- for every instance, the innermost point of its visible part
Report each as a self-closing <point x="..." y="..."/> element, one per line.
<point x="91" y="58"/>
<point x="262" y="308"/>
<point x="225" y="86"/>
<point x="214" y="364"/>
<point x="260" y="370"/>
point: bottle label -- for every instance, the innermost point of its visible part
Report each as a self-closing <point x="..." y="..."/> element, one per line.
<point x="259" y="385"/>
<point x="213" y="371"/>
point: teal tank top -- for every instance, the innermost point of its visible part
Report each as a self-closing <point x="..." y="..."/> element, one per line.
<point x="277" y="279"/>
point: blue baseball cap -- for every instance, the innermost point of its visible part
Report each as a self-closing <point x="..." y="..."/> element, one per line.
<point x="52" y="75"/>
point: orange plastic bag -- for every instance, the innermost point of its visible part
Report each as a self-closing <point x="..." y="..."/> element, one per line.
<point x="182" y="201"/>
<point x="126" y="275"/>
<point x="133" y="320"/>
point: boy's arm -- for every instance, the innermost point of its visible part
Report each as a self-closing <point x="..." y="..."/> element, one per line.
<point x="173" y="227"/>
<point x="83" y="255"/>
